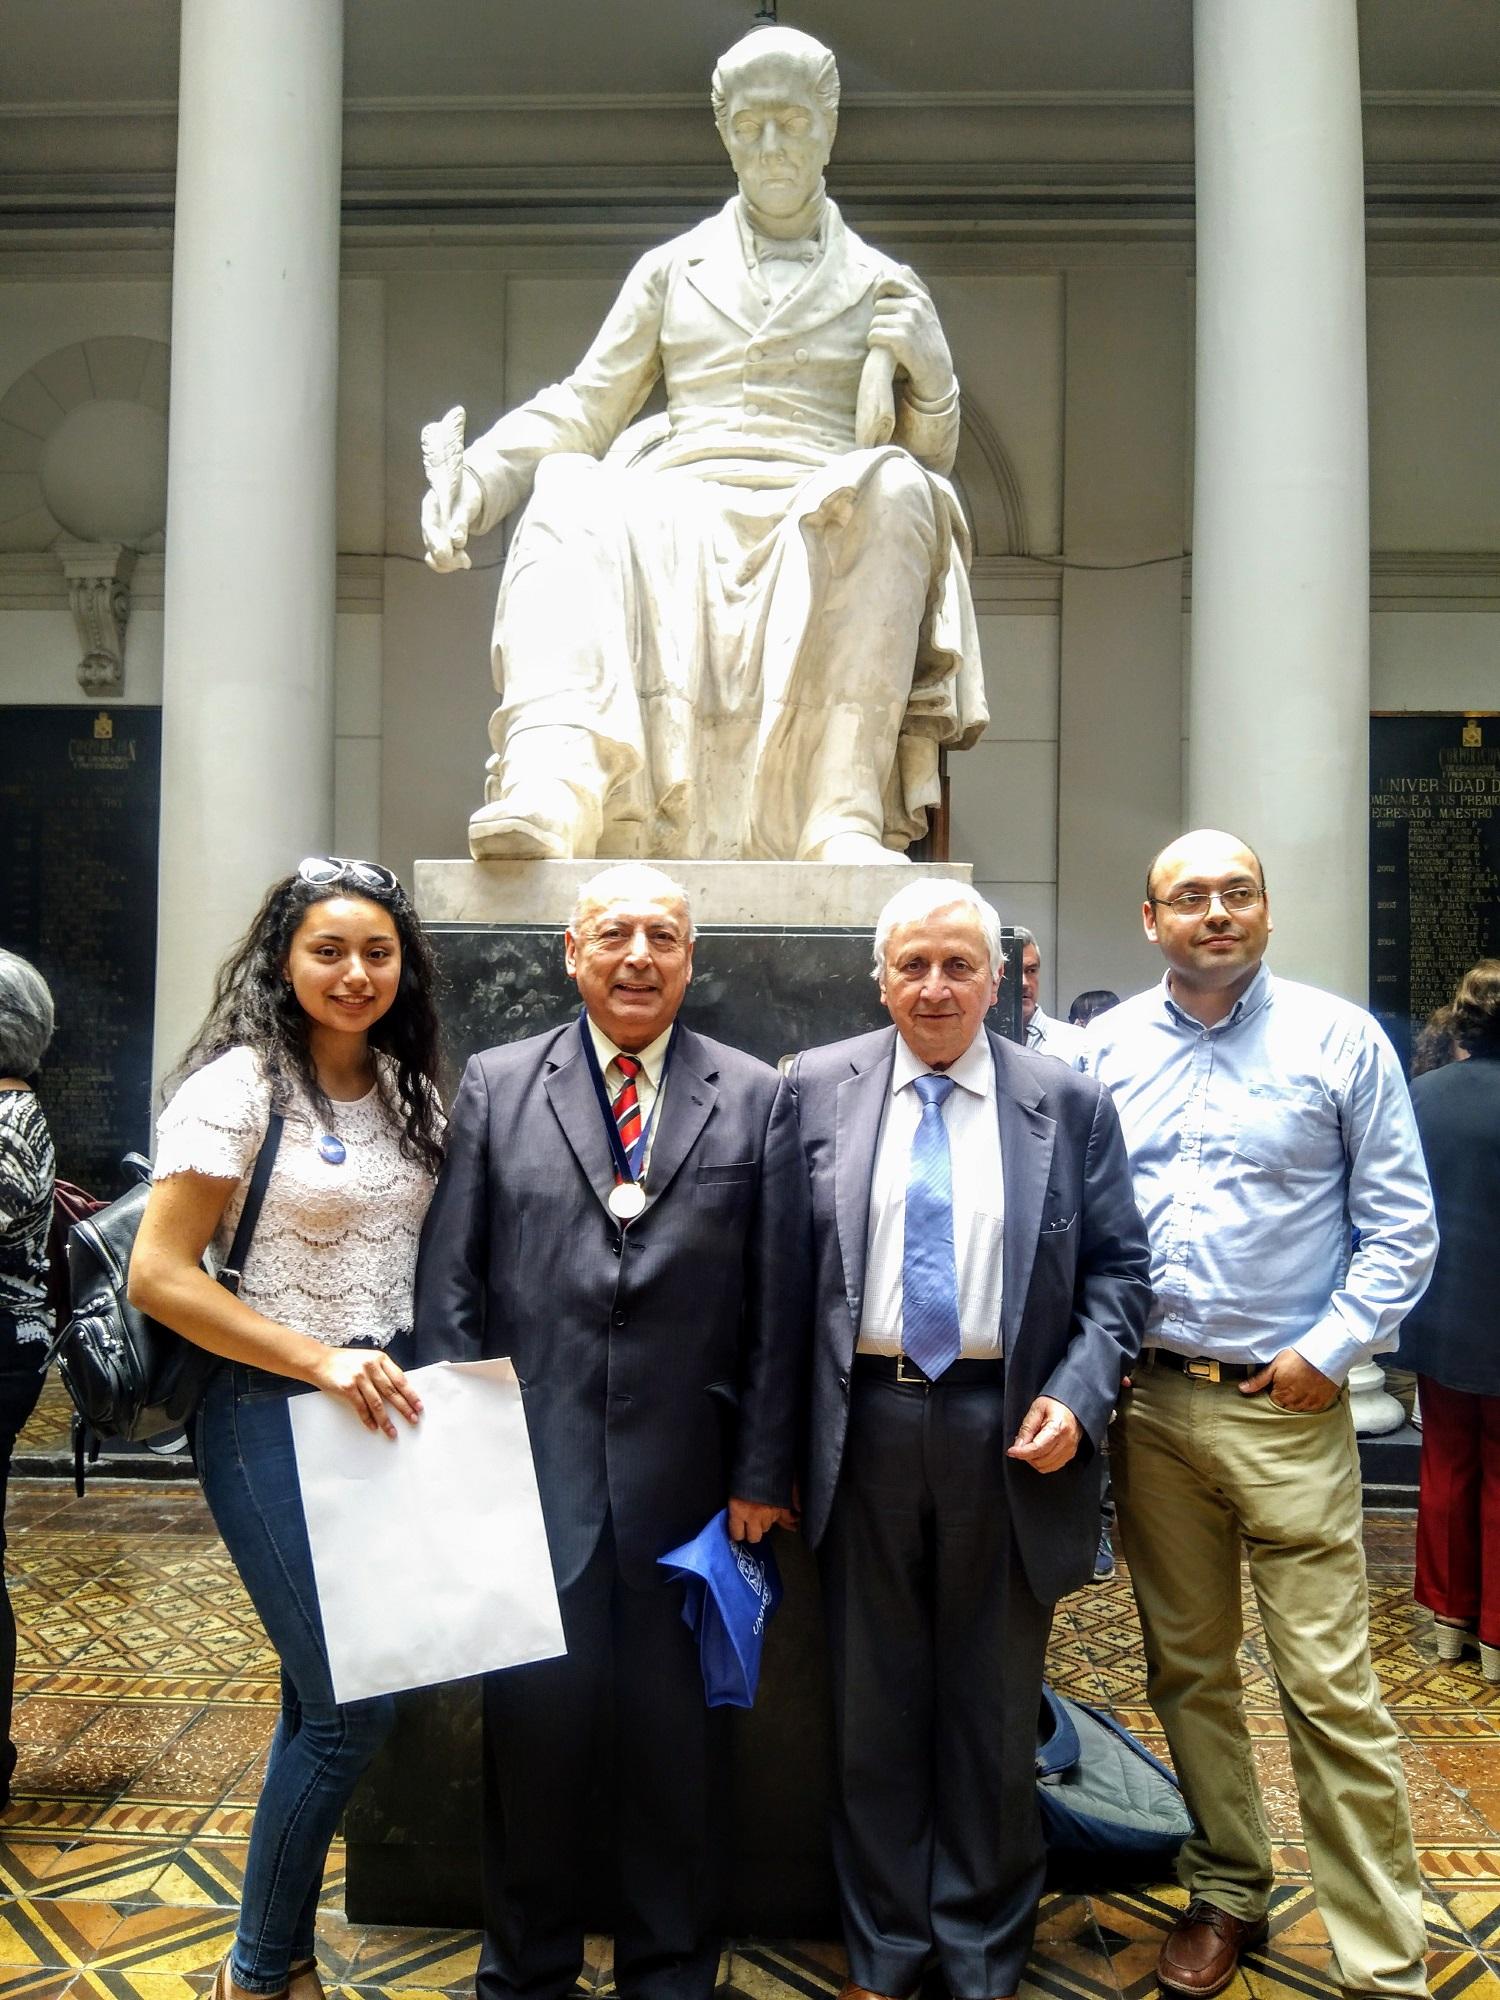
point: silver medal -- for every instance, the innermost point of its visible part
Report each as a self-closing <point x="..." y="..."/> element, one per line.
<point x="626" y="1200"/>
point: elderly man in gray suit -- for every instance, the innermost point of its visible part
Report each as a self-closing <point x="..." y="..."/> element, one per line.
<point x="622" y="1212"/>
<point x="981" y="1283"/>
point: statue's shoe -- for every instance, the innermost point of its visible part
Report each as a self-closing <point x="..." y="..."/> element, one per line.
<point x="861" y="848"/>
<point x="545" y="822"/>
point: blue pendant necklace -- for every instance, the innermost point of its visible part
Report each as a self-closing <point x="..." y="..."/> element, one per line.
<point x="331" y="1148"/>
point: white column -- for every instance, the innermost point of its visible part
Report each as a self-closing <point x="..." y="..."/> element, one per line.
<point x="247" y="753"/>
<point x="1278" y="717"/>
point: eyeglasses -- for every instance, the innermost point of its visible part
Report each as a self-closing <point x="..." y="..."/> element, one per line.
<point x="1235" y="900"/>
<point x="325" y="868"/>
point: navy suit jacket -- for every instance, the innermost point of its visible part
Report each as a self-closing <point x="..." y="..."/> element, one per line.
<point x="1075" y="1273"/>
<point x="661" y="1365"/>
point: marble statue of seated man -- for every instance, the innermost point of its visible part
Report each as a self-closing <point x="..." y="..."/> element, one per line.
<point x="743" y="630"/>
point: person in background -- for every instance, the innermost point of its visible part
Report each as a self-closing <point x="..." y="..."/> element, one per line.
<point x="1433" y="1045"/>
<point x="27" y="1170"/>
<point x="1046" y="1036"/>
<point x="1097" y="1000"/>
<point x="1452" y="1337"/>
<point x="1264" y="1120"/>
<point x="325" y="1014"/>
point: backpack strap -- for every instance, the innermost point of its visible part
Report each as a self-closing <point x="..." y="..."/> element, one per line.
<point x="1058" y="1748"/>
<point x="255" y="1195"/>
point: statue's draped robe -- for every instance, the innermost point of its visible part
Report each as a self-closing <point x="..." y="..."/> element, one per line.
<point x="766" y="631"/>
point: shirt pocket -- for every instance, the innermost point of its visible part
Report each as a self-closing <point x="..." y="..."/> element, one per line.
<point x="1290" y="1130"/>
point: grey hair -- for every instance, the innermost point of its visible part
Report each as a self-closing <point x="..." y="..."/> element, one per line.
<point x="805" y="51"/>
<point x="26" y="1016"/>
<point x="629" y="878"/>
<point x="1024" y="937"/>
<point x="926" y="896"/>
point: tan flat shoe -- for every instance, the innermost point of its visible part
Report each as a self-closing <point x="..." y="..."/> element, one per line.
<point x="303" y="1982"/>
<point x="227" y="1987"/>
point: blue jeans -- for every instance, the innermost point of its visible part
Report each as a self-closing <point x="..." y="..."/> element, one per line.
<point x="242" y="1440"/>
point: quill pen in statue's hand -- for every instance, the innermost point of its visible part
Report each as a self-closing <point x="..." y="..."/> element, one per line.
<point x="443" y="462"/>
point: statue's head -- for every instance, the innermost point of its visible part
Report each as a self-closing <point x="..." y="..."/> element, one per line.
<point x="776" y="104"/>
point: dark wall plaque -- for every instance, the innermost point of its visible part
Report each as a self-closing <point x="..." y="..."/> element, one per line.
<point x="79" y="797"/>
<point x="1434" y="861"/>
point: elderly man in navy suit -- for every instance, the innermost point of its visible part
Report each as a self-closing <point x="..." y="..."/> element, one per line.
<point x="622" y="1212"/>
<point x="980" y="1285"/>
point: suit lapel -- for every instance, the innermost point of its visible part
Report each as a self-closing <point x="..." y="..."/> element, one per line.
<point x="838" y="280"/>
<point x="715" y="266"/>
<point x="570" y="1092"/>
<point x="691" y="1094"/>
<point x="1027" y="1136"/>
<point x="860" y="1102"/>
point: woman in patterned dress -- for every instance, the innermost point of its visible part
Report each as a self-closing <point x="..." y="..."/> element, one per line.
<point x="325" y="1013"/>
<point x="26" y="1173"/>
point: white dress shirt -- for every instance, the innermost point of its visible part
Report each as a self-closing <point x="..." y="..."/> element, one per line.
<point x="649" y="1081"/>
<point x="978" y="1202"/>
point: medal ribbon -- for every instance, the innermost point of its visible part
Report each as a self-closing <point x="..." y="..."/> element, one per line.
<point x="624" y="1168"/>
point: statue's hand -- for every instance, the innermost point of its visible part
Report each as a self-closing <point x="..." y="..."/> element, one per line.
<point x="445" y="533"/>
<point x="906" y="323"/>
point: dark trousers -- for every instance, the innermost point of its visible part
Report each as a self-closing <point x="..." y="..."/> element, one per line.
<point x="625" y="1707"/>
<point x="937" y="1647"/>
<point x="20" y="1385"/>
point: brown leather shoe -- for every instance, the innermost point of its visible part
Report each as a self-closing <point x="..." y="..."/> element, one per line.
<point x="852" y="1992"/>
<point x="1203" y="1948"/>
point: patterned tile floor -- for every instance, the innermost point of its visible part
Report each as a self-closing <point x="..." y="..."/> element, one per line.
<point x="146" y="1693"/>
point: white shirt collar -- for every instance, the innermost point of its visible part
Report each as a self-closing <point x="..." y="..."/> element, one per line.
<point x="974" y="1071"/>
<point x="651" y="1057"/>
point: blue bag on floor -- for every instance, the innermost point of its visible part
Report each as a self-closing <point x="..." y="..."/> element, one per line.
<point x="1111" y="1812"/>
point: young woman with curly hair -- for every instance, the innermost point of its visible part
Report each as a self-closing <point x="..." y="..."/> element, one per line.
<point x="325" y="1014"/>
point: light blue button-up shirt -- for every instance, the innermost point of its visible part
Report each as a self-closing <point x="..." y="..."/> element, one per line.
<point x="1258" y="1146"/>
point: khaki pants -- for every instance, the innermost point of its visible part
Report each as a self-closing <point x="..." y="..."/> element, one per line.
<point x="1202" y="1473"/>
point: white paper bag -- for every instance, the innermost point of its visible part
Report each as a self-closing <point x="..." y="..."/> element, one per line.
<point x="430" y="1553"/>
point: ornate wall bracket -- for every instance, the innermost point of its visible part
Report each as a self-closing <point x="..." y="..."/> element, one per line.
<point x="98" y="575"/>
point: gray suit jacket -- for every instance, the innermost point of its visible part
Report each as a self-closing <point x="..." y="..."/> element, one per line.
<point x="1076" y="1274"/>
<point x="661" y="1365"/>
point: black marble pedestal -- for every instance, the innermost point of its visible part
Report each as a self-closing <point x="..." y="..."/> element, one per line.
<point x="412" y="1829"/>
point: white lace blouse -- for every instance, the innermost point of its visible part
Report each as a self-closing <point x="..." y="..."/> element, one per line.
<point x="335" y="1251"/>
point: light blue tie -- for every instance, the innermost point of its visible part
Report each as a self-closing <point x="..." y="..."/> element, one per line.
<point x="929" y="1275"/>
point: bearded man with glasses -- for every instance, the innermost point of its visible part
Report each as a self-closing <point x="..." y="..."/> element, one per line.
<point x="1266" y="1122"/>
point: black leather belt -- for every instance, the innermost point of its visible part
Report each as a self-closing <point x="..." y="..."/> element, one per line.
<point x="1202" y="1367"/>
<point x="901" y="1368"/>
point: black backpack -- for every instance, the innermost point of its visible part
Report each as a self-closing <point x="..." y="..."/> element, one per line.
<point x="127" y="1375"/>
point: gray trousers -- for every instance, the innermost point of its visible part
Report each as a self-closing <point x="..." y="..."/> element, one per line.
<point x="937" y="1647"/>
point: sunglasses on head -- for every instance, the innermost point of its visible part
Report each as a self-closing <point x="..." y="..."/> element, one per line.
<point x="323" y="869"/>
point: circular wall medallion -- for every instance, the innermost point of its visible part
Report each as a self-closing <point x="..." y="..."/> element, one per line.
<point x="83" y="445"/>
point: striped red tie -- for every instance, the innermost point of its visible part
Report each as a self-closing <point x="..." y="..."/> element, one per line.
<point x="627" y="1106"/>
